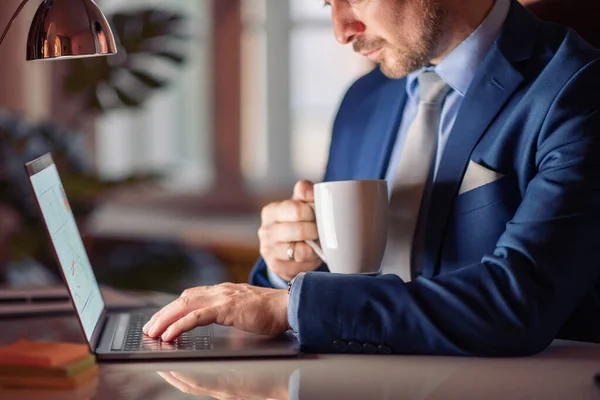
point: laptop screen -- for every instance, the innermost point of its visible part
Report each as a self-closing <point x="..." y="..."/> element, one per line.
<point x="69" y="247"/>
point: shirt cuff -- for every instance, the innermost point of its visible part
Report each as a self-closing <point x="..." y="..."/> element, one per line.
<point x="276" y="281"/>
<point x="294" y="302"/>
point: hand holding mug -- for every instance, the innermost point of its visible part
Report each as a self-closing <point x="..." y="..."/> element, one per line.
<point x="284" y="229"/>
<point x="349" y="217"/>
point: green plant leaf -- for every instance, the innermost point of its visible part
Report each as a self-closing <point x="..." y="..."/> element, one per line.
<point x="126" y="99"/>
<point x="148" y="80"/>
<point x="143" y="35"/>
<point x="174" y="57"/>
<point x="94" y="103"/>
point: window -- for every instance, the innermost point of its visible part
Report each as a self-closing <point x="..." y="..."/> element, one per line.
<point x="171" y="134"/>
<point x="294" y="75"/>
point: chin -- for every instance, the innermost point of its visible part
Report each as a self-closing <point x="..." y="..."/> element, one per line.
<point x="396" y="68"/>
<point x="393" y="71"/>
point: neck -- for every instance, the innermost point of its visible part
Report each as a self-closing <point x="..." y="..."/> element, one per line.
<point x="462" y="19"/>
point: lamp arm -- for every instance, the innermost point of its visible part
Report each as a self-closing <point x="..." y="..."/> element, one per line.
<point x="15" y="15"/>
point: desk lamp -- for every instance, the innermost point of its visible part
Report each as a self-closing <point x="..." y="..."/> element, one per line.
<point x="64" y="29"/>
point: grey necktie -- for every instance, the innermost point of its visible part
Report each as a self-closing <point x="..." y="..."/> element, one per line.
<point x="411" y="175"/>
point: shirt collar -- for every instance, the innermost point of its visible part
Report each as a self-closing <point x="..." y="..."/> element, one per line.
<point x="458" y="68"/>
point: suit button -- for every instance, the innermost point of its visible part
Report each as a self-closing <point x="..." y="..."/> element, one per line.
<point x="383" y="350"/>
<point x="368" y="348"/>
<point x="354" y="347"/>
<point x="340" y="346"/>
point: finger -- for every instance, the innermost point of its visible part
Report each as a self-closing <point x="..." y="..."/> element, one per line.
<point x="148" y="325"/>
<point x="287" y="211"/>
<point x="229" y="386"/>
<point x="199" y="317"/>
<point x="304" y="191"/>
<point x="174" y="311"/>
<point x="288" y="232"/>
<point x="268" y="215"/>
<point x="186" y="293"/>
<point x="172" y="379"/>
<point x="204" y="290"/>
<point x="210" y="384"/>
<point x="302" y="252"/>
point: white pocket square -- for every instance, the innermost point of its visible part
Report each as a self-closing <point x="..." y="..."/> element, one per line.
<point x="477" y="176"/>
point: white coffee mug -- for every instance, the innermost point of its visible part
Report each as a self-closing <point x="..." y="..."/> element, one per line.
<point x="352" y="218"/>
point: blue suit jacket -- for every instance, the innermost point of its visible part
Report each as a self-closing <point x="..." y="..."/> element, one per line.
<point x="508" y="266"/>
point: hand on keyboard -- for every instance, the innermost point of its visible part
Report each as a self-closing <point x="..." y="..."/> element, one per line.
<point x="249" y="308"/>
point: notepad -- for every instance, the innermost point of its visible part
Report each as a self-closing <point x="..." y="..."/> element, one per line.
<point x="42" y="354"/>
<point x="60" y="371"/>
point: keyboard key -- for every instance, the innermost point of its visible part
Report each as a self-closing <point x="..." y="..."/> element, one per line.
<point x="134" y="339"/>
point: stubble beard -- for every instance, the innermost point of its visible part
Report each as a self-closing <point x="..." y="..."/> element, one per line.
<point x="401" y="62"/>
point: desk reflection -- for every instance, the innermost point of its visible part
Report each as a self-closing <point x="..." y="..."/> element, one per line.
<point x="557" y="374"/>
<point x="87" y="391"/>
<point x="239" y="385"/>
<point x="300" y="384"/>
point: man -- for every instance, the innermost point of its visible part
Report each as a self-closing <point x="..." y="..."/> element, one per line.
<point x="504" y="257"/>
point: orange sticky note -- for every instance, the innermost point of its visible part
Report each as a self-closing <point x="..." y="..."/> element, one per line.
<point x="42" y="354"/>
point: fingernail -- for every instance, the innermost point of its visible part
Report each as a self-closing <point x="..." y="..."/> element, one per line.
<point x="166" y="336"/>
<point x="308" y="194"/>
<point x="145" y="328"/>
<point x="153" y="331"/>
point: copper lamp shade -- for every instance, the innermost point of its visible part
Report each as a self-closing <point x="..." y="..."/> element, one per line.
<point x="69" y="29"/>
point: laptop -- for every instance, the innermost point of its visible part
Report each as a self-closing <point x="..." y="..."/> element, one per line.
<point x="119" y="336"/>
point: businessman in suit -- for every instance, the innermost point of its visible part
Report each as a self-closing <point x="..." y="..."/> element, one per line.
<point x="503" y="254"/>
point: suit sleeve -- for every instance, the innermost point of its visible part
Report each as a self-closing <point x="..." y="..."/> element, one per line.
<point x="260" y="275"/>
<point x="517" y="298"/>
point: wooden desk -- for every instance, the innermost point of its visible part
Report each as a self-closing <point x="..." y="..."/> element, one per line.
<point x="564" y="371"/>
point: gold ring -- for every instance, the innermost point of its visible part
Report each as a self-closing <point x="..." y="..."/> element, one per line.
<point x="291" y="251"/>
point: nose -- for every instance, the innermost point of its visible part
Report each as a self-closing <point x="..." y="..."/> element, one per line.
<point x="345" y="24"/>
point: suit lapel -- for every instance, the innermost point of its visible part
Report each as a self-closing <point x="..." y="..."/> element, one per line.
<point x="382" y="130"/>
<point x="493" y="85"/>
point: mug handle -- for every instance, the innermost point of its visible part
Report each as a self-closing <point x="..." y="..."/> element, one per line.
<point x="317" y="249"/>
<point x="313" y="245"/>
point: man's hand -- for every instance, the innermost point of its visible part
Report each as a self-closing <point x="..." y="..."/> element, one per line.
<point x="290" y="223"/>
<point x="249" y="308"/>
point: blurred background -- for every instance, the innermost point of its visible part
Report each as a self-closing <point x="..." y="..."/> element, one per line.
<point x="168" y="150"/>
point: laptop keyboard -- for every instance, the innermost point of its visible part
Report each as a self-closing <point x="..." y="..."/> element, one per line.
<point x="129" y="337"/>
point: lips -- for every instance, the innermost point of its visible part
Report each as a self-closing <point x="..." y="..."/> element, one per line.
<point x="371" y="54"/>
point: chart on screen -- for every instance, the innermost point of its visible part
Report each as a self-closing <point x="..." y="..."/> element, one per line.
<point x="69" y="247"/>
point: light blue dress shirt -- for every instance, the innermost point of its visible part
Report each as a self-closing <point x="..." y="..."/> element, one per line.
<point x="457" y="69"/>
